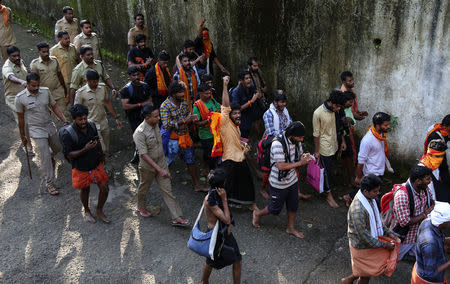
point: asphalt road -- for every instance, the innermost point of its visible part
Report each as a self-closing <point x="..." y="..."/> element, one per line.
<point x="44" y="239"/>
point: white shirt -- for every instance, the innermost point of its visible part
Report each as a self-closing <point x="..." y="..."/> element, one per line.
<point x="277" y="155"/>
<point x="371" y="155"/>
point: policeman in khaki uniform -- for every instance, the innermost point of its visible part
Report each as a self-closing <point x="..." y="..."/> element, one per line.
<point x="67" y="24"/>
<point x="79" y="72"/>
<point x="7" y="37"/>
<point x="67" y="57"/>
<point x="32" y="106"/>
<point x="47" y="67"/>
<point x="153" y="165"/>
<point x="87" y="37"/>
<point x="139" y="28"/>
<point x="14" y="75"/>
<point x="95" y="97"/>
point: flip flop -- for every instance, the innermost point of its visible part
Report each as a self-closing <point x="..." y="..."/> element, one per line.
<point x="52" y="190"/>
<point x="180" y="222"/>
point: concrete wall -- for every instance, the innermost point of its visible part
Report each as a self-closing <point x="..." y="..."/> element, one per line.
<point x="303" y="46"/>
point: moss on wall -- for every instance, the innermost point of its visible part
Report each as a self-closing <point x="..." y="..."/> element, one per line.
<point x="303" y="46"/>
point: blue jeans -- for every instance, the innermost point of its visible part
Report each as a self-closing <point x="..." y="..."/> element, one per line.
<point x="174" y="150"/>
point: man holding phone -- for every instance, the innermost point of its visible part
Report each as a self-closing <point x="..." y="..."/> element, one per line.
<point x="83" y="150"/>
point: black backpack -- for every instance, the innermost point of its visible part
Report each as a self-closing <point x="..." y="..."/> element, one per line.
<point x="403" y="231"/>
<point x="264" y="146"/>
<point x="68" y="129"/>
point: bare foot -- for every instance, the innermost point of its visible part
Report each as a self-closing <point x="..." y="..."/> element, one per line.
<point x="304" y="196"/>
<point x="295" y="233"/>
<point x="347" y="199"/>
<point x="89" y="218"/>
<point x="255" y="220"/>
<point x="349" y="280"/>
<point x="200" y="188"/>
<point x="253" y="207"/>
<point x="102" y="216"/>
<point x="331" y="201"/>
<point x="265" y="194"/>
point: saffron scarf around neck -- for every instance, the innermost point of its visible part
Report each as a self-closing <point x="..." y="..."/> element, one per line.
<point x="187" y="94"/>
<point x="436" y="127"/>
<point x="160" y="82"/>
<point x="4" y="11"/>
<point x="381" y="137"/>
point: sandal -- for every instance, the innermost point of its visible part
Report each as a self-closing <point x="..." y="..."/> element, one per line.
<point x="52" y="190"/>
<point x="180" y="222"/>
<point x="144" y="213"/>
<point x="154" y="210"/>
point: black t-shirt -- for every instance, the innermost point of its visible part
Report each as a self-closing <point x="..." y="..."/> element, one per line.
<point x="152" y="81"/>
<point x="199" y="49"/>
<point x="139" y="56"/>
<point x="214" y="199"/>
<point x="91" y="158"/>
<point x="139" y="95"/>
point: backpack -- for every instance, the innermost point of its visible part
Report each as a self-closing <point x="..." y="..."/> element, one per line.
<point x="73" y="134"/>
<point x="263" y="149"/>
<point x="387" y="208"/>
<point x="130" y="88"/>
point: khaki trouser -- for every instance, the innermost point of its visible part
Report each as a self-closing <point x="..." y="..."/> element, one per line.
<point x="104" y="140"/>
<point x="43" y="146"/>
<point x="10" y="103"/>
<point x="147" y="177"/>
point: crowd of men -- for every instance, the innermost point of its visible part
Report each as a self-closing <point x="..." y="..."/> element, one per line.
<point x="175" y="113"/>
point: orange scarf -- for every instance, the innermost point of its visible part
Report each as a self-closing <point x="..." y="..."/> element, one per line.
<point x="184" y="140"/>
<point x="187" y="95"/>
<point x="437" y="127"/>
<point x="432" y="162"/>
<point x="207" y="45"/>
<point x="4" y="11"/>
<point x="204" y="111"/>
<point x="381" y="137"/>
<point x="217" y="149"/>
<point x="161" y="83"/>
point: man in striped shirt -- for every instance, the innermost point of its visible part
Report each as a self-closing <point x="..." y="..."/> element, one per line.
<point x="286" y="155"/>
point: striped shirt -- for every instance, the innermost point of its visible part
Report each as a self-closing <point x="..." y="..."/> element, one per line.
<point x="277" y="155"/>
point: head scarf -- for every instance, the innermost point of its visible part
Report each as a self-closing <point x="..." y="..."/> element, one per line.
<point x="430" y="161"/>
<point x="440" y="213"/>
<point x="437" y="127"/>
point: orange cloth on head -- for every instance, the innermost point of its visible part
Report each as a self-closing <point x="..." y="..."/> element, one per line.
<point x="437" y="127"/>
<point x="376" y="261"/>
<point x="187" y="95"/>
<point x="83" y="179"/>
<point x="415" y="278"/>
<point x="4" y="11"/>
<point x="381" y="137"/>
<point x="432" y="162"/>
<point x="160" y="82"/>
<point x="207" y="45"/>
<point x="217" y="149"/>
